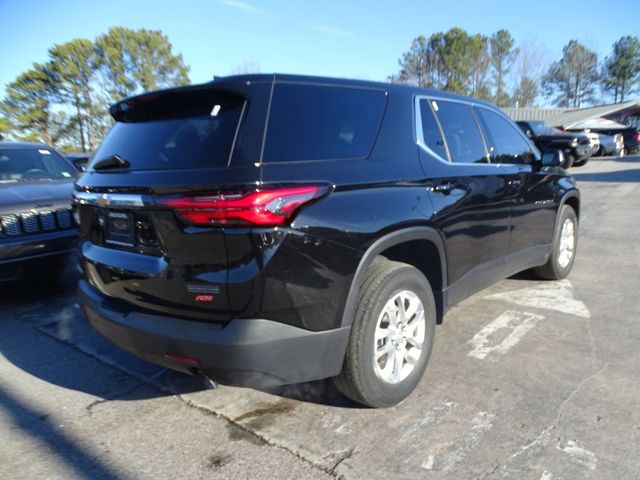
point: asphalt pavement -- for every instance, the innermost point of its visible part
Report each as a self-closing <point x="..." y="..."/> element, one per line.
<point x="528" y="380"/>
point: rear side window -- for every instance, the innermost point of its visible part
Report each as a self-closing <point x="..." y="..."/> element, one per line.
<point x="430" y="130"/>
<point x="176" y="131"/>
<point x="461" y="132"/>
<point x="310" y="122"/>
<point x="505" y="143"/>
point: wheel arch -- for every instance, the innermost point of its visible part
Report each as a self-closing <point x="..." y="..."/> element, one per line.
<point x="571" y="198"/>
<point x="397" y="246"/>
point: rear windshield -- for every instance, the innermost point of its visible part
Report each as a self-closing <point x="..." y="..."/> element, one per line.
<point x="27" y="164"/>
<point x="175" y="131"/>
<point x="310" y="122"/>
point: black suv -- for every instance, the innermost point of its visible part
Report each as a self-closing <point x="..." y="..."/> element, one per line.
<point x="273" y="229"/>
<point x="576" y="146"/>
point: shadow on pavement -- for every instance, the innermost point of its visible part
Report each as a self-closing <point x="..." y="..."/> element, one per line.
<point x="36" y="424"/>
<point x="525" y="275"/>
<point x="51" y="309"/>
<point x="622" y="176"/>
<point x="44" y="307"/>
<point x="631" y="159"/>
<point x="320" y="392"/>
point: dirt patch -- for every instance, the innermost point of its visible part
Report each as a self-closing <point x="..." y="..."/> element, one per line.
<point x="278" y="408"/>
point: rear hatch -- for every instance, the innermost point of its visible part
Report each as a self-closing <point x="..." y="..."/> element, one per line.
<point x="137" y="247"/>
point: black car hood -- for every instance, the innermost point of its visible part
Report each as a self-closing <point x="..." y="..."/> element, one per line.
<point x="39" y="195"/>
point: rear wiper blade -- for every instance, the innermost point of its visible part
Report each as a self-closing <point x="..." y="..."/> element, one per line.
<point x="113" y="161"/>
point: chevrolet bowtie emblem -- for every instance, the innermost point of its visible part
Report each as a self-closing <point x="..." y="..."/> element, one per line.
<point x="103" y="200"/>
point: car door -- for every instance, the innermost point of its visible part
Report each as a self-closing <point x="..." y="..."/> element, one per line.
<point x="471" y="197"/>
<point x="534" y="206"/>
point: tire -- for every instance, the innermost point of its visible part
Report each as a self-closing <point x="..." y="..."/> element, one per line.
<point x="558" y="266"/>
<point x="581" y="163"/>
<point x="568" y="161"/>
<point x="365" y="379"/>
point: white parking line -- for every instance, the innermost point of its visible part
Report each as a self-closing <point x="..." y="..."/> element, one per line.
<point x="434" y="417"/>
<point x="518" y="322"/>
<point x="580" y="455"/>
<point x="556" y="296"/>
<point x="410" y="447"/>
<point x="451" y="453"/>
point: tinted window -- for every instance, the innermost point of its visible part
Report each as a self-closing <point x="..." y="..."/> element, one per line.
<point x="322" y="123"/>
<point x="461" y="132"/>
<point x="430" y="130"/>
<point x="25" y="164"/>
<point x="505" y="143"/>
<point x="195" y="133"/>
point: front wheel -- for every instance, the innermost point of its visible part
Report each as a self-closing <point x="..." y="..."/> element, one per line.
<point x="581" y="163"/>
<point x="391" y="336"/>
<point x="563" y="250"/>
<point x="569" y="159"/>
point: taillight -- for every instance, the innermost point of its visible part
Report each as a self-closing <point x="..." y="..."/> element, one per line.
<point x="637" y="137"/>
<point x="266" y="208"/>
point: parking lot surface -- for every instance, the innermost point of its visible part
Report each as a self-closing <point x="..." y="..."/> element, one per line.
<point x="528" y="380"/>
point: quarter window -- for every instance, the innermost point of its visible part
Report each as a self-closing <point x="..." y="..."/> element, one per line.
<point x="309" y="122"/>
<point x="461" y="132"/>
<point x="505" y="143"/>
<point x="430" y="130"/>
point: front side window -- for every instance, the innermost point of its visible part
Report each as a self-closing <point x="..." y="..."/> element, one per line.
<point x="461" y="132"/>
<point x="312" y="122"/>
<point x="505" y="144"/>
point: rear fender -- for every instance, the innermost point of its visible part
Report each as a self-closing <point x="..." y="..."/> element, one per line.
<point x="383" y="243"/>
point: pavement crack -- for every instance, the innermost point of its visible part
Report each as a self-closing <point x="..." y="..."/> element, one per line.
<point x="592" y="340"/>
<point x="267" y="441"/>
<point x="89" y="408"/>
<point x="345" y="456"/>
<point x="541" y="438"/>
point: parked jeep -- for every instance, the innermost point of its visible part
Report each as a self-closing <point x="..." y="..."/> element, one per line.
<point x="37" y="233"/>
<point x="274" y="229"/>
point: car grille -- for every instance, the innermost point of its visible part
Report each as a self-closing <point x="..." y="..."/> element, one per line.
<point x="31" y="222"/>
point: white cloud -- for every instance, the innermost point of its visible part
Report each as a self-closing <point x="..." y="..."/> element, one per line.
<point x="244" y="6"/>
<point x="329" y="30"/>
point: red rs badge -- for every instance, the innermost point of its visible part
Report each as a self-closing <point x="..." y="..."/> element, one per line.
<point x="204" y="298"/>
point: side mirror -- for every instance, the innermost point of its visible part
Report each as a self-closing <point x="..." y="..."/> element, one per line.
<point x="552" y="158"/>
<point x="81" y="164"/>
<point x="529" y="134"/>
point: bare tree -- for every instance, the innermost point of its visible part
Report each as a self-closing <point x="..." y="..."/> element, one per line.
<point x="530" y="66"/>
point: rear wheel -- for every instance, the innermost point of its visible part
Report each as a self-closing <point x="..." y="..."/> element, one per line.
<point x="391" y="336"/>
<point x="563" y="250"/>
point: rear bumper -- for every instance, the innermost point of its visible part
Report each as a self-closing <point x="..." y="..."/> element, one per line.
<point x="258" y="353"/>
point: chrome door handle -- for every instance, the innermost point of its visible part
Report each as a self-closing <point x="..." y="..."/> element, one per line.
<point x="444" y="188"/>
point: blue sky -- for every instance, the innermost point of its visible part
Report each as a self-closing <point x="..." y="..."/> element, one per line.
<point x="334" y="38"/>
